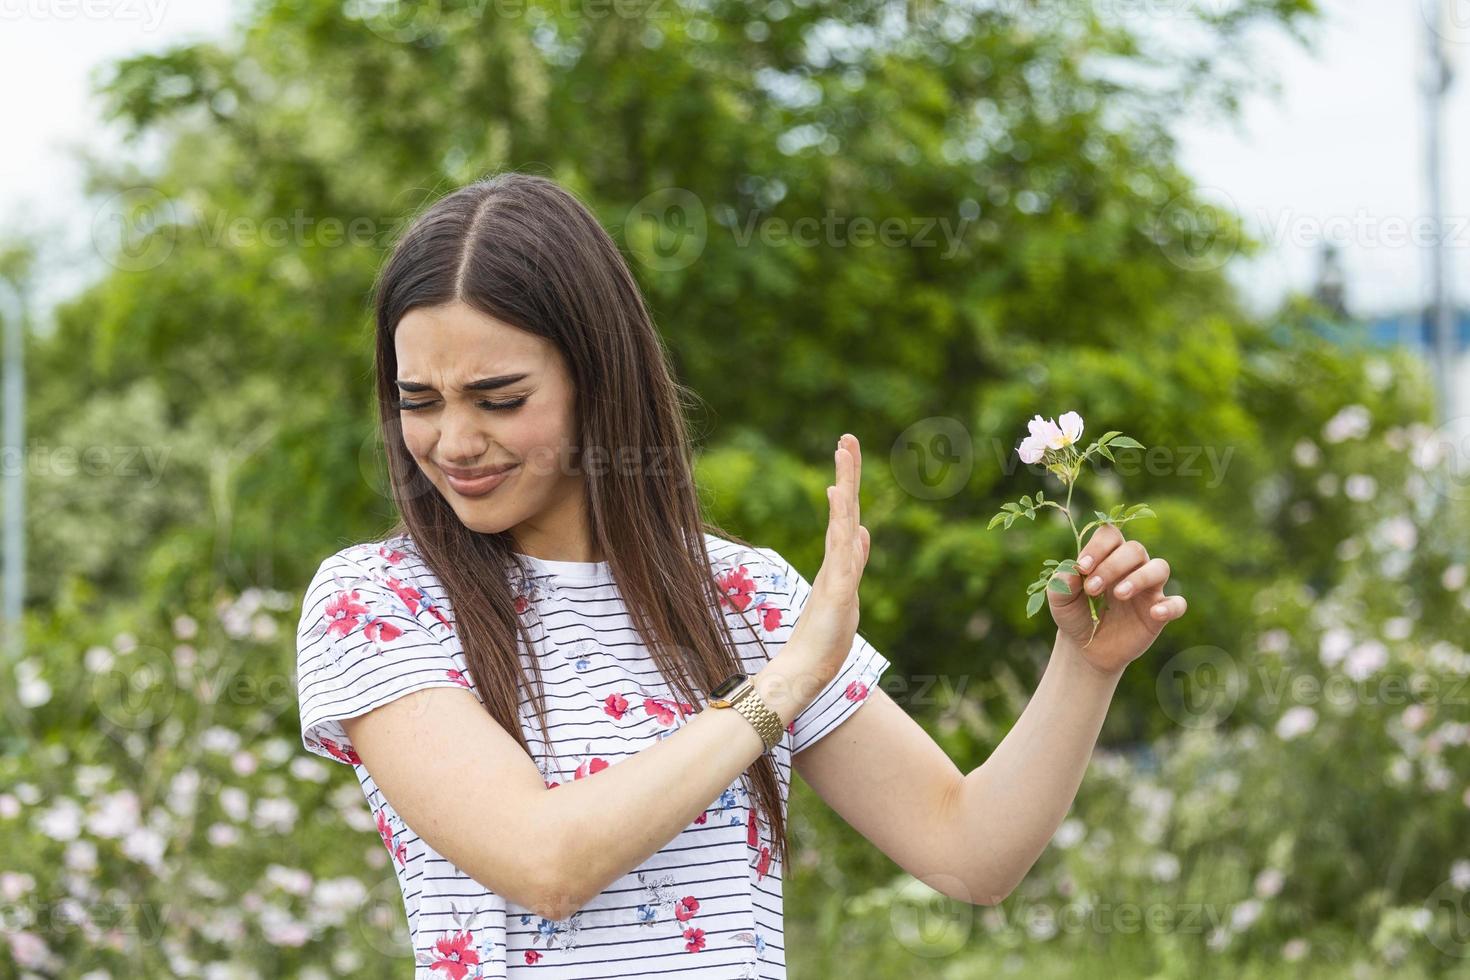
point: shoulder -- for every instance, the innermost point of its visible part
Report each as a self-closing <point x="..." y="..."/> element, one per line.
<point x="726" y="555"/>
<point x="751" y="567"/>
<point x="387" y="576"/>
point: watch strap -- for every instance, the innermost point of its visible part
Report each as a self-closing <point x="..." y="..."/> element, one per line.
<point x="765" y="720"/>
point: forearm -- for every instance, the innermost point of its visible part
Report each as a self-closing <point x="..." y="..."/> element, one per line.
<point x="609" y="823"/>
<point x="1007" y="809"/>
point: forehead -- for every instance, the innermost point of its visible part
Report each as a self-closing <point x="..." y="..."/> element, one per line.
<point x="458" y="343"/>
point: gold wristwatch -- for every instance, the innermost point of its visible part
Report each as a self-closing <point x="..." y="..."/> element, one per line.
<point x="738" y="691"/>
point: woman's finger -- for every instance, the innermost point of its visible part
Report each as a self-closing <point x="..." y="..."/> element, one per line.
<point x="1120" y="561"/>
<point x="1146" y="581"/>
<point x="851" y="442"/>
<point x="1102" y="543"/>
<point x="1171" y="608"/>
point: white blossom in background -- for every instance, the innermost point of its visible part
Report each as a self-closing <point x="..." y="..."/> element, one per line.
<point x="222" y="834"/>
<point x="1268" y="883"/>
<point x="1295" y="721"/>
<point x="217" y="738"/>
<point x="234" y="802"/>
<point x="277" y="814"/>
<point x="1350" y="422"/>
<point x="1070" y="832"/>
<point x="114" y="815"/>
<point x="62" y="821"/>
<point x="186" y="627"/>
<point x="32" y="690"/>
<point x="97" y="659"/>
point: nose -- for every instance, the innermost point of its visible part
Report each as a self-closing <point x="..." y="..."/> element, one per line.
<point x="461" y="443"/>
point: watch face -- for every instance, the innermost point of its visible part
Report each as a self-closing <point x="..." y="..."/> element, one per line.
<point x="727" y="686"/>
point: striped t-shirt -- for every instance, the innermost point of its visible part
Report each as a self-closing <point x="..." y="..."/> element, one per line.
<point x="376" y="625"/>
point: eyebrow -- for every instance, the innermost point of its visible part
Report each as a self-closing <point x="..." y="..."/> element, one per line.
<point x="483" y="384"/>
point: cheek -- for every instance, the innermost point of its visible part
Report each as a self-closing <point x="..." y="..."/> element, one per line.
<point x="418" y="435"/>
<point x="535" y="432"/>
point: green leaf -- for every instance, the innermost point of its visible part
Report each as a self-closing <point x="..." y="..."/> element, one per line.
<point x="1058" y="586"/>
<point x="995" y="520"/>
<point x="1026" y="502"/>
<point x="1141" y="510"/>
<point x="1050" y="562"/>
<point x="1108" y="437"/>
<point x="1010" y="518"/>
<point x="1105" y="452"/>
<point x="1031" y="513"/>
<point x="1068" y="565"/>
<point x="1123" y="442"/>
<point x="1102" y="517"/>
<point x="1013" y="508"/>
<point x="1033" y="605"/>
<point x="1040" y="497"/>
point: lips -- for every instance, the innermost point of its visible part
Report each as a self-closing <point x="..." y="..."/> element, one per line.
<point x="481" y="484"/>
<point x="459" y="474"/>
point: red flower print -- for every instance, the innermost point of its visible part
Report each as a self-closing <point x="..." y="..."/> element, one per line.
<point x="685" y="708"/>
<point x="696" y="940"/>
<point x="736" y="588"/>
<point x="346" y="755"/>
<point x="702" y="817"/>
<point x="434" y="610"/>
<point x="381" y="631"/>
<point x="770" y="616"/>
<point x="589" y="767"/>
<point x="750" y="834"/>
<point x="615" y="705"/>
<point x="791" y="726"/>
<point x="856" y="691"/>
<point x="458" y="677"/>
<point x="385" y="831"/>
<point x="552" y="785"/>
<point x="532" y="955"/>
<point x="411" y="596"/>
<point x="522" y="604"/>
<point x="764" y="864"/>
<point x="455" y="955"/>
<point x="343" y="610"/>
<point x="685" y="908"/>
<point x="391" y="555"/>
<point x="659" y="709"/>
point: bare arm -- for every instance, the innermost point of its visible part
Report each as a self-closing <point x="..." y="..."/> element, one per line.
<point x="467" y="788"/>
<point x="973" y="837"/>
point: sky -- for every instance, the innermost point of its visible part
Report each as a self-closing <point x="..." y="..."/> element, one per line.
<point x="1336" y="154"/>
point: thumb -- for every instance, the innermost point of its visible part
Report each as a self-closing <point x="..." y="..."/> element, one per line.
<point x="1073" y="581"/>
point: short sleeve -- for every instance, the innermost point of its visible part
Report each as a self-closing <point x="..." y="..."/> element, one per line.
<point x="847" y="691"/>
<point x="365" y="638"/>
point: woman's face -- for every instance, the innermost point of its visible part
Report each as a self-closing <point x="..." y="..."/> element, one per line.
<point x="521" y="416"/>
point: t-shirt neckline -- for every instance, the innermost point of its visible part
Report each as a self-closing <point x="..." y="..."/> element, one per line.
<point x="576" y="571"/>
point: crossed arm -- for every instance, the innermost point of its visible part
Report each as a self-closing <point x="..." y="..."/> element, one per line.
<point x="972" y="837"/>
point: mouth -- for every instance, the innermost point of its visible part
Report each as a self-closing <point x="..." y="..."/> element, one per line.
<point x="477" y="483"/>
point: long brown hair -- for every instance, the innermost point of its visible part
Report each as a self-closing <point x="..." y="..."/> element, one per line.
<point x="522" y="249"/>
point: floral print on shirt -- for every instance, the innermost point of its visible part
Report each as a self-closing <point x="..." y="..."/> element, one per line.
<point x="373" y="603"/>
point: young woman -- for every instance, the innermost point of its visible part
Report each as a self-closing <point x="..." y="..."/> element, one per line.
<point x="572" y="704"/>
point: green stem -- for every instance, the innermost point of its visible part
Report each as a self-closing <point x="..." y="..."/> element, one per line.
<point x="1067" y="509"/>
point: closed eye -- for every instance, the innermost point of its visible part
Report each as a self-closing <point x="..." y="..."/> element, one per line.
<point x="408" y="406"/>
